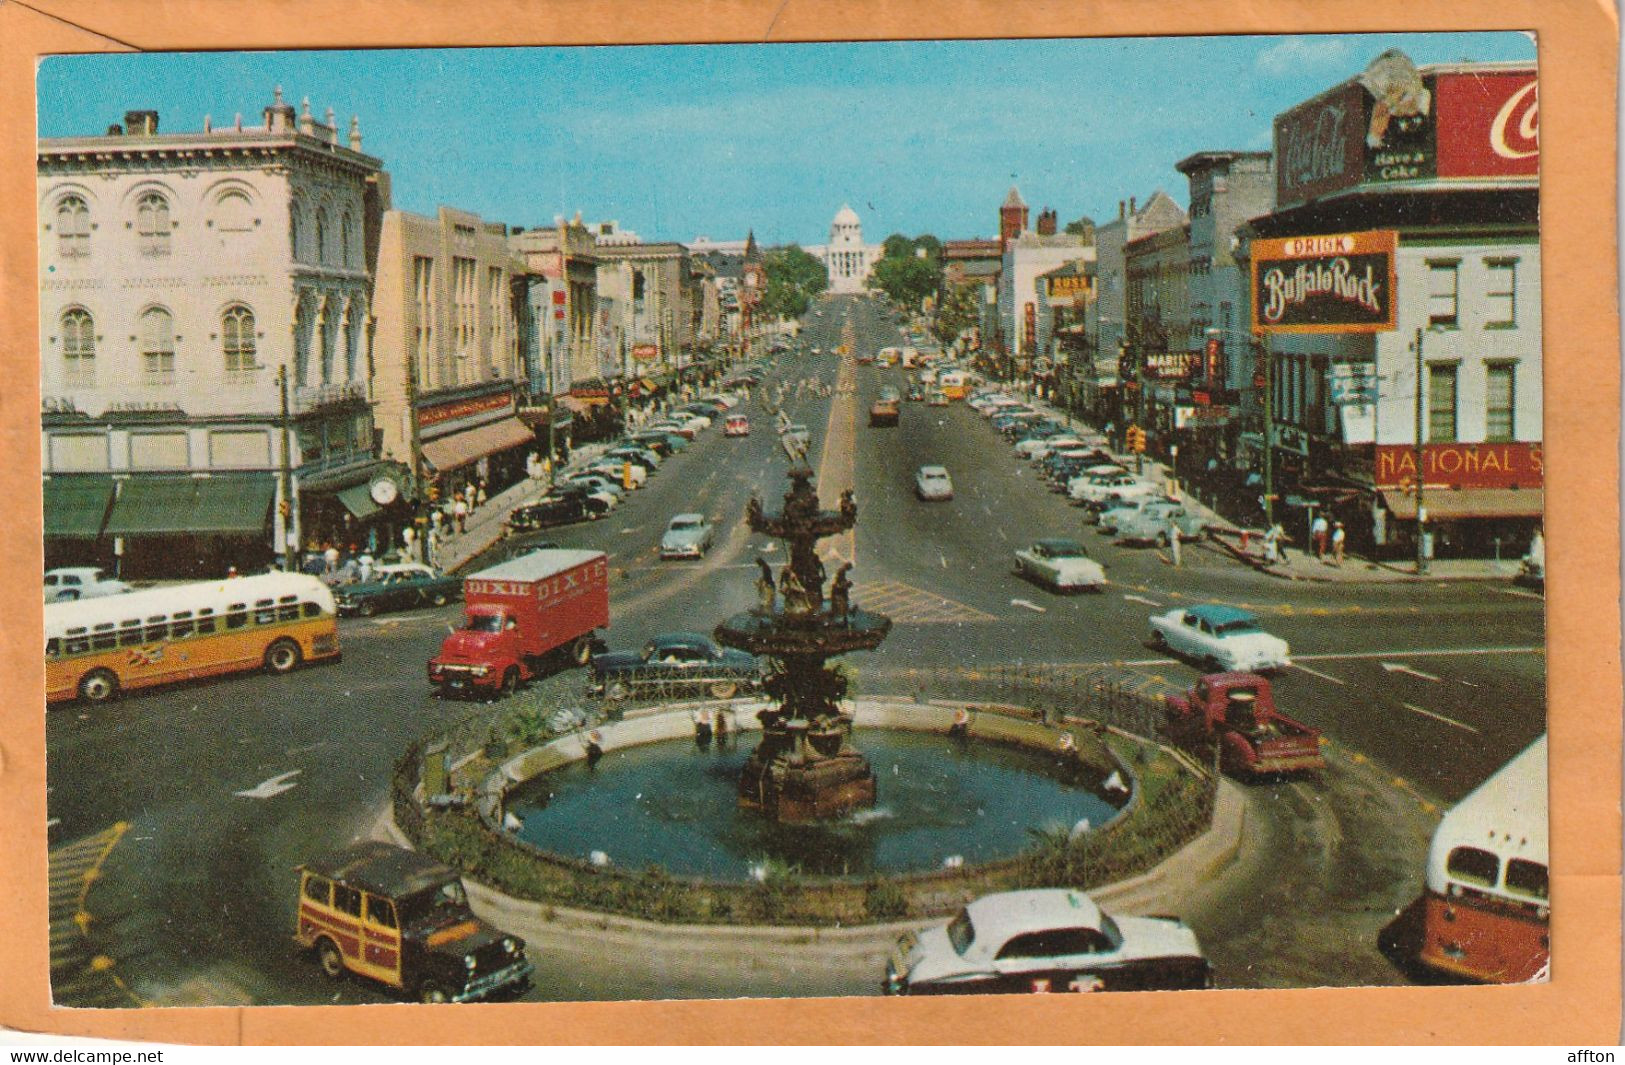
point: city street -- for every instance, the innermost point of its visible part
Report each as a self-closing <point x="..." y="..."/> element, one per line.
<point x="1422" y="689"/>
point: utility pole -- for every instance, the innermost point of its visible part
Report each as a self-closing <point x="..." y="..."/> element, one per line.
<point x="1269" y="432"/>
<point x="286" y="509"/>
<point x="1421" y="506"/>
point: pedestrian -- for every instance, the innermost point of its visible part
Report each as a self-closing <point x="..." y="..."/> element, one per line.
<point x="1338" y="536"/>
<point x="330" y="559"/>
<point x="479" y="494"/>
<point x="1173" y="541"/>
<point x="1272" y="545"/>
<point x="435" y="518"/>
<point x="1318" y="530"/>
<point x="459" y="511"/>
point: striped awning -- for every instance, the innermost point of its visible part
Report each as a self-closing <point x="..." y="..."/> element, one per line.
<point x="76" y="505"/>
<point x="220" y="505"/>
<point x="471" y="445"/>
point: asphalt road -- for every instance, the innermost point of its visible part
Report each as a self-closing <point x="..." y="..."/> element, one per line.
<point x="1423" y="689"/>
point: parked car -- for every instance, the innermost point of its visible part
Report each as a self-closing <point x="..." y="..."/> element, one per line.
<point x="736" y="425"/>
<point x="683" y="427"/>
<point x="1115" y="511"/>
<point x="1046" y="940"/>
<point x="933" y="484"/>
<point x="1223" y="639"/>
<point x="81" y="582"/>
<point x="1099" y="487"/>
<point x="551" y="510"/>
<point x="687" y="536"/>
<point x="616" y="469"/>
<point x="675" y="664"/>
<point x="936" y="398"/>
<point x="398" y="586"/>
<point x="885" y="411"/>
<point x="1154" y="524"/>
<point x="1062" y="564"/>
<point x="659" y="443"/>
<point x="598" y="482"/>
<point x="399" y="917"/>
<point x="640" y="455"/>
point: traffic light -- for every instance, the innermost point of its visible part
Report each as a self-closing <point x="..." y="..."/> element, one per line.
<point x="1136" y="439"/>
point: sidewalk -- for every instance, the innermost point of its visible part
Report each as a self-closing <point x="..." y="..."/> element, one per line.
<point x="484" y="526"/>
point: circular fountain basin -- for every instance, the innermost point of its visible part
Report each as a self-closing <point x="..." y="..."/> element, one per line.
<point x="673" y="805"/>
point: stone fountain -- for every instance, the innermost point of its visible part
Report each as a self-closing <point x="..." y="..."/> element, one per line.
<point x="806" y="767"/>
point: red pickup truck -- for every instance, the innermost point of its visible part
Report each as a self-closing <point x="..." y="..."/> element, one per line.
<point x="520" y="612"/>
<point x="1237" y="712"/>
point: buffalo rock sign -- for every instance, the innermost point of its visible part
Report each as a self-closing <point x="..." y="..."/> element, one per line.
<point x="1338" y="283"/>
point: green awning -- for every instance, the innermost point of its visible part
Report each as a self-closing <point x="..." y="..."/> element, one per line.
<point x="228" y="504"/>
<point x="357" y="499"/>
<point x="76" y="505"/>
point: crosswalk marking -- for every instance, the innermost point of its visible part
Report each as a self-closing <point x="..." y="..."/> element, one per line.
<point x="78" y="975"/>
<point x="908" y="605"/>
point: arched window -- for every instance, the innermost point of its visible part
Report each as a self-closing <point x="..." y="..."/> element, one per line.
<point x="158" y="346"/>
<point x="72" y="227"/>
<point x="346" y="241"/>
<point x="152" y="224"/>
<point x="237" y="339"/>
<point x="233" y="213"/>
<point x="78" y="346"/>
<point x="321" y="236"/>
<point x="327" y="326"/>
<point x="352" y="340"/>
<point x="294" y="248"/>
<point x="301" y="340"/>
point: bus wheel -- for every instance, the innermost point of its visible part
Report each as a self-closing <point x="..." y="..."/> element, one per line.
<point x="431" y="993"/>
<point x="282" y="656"/>
<point x="581" y="650"/>
<point x="724" y="689"/>
<point x="98" y="686"/>
<point x="329" y="958"/>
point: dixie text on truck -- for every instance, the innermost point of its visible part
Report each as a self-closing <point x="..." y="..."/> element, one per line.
<point x="517" y="614"/>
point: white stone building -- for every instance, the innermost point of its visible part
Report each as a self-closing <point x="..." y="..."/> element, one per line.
<point x="846" y="256"/>
<point x="205" y="325"/>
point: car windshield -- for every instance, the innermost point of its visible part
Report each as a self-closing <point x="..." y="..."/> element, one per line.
<point x="484" y="623"/>
<point x="961" y="933"/>
<point x="684" y="523"/>
<point x="1067" y="550"/>
<point x="448" y="897"/>
<point x="1237" y="627"/>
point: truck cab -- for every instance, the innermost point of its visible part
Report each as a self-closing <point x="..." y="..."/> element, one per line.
<point x="1237" y="713"/>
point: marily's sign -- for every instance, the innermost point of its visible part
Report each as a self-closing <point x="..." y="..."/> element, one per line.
<point x="1461" y="465"/>
<point x="1336" y="283"/>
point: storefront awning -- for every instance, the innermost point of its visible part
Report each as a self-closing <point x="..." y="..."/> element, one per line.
<point x="222" y="505"/>
<point x="459" y="449"/>
<point x="357" y="499"/>
<point x="1454" y="505"/>
<point x="76" y="505"/>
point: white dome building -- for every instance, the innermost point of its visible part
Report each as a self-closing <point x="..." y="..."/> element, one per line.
<point x="846" y="256"/>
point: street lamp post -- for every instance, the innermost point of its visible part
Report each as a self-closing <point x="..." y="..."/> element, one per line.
<point x="1421" y="505"/>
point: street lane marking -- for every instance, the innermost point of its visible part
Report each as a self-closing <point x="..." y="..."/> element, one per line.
<point x="1440" y="717"/>
<point x="266" y="789"/>
<point x="1442" y="653"/>
<point x="1034" y="607"/>
<point x="1400" y="667"/>
<point x="1141" y="599"/>
<point x="908" y="605"/>
<point x="1317" y="673"/>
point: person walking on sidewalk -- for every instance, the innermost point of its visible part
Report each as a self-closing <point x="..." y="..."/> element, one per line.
<point x="459" y="512"/>
<point x="1317" y="535"/>
<point x="1338" y="536"/>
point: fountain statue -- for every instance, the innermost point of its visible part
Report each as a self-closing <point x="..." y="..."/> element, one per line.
<point x="806" y="767"/>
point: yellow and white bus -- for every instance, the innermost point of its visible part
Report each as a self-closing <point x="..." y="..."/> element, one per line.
<point x="96" y="648"/>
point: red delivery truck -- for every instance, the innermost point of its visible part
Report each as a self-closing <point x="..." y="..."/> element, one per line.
<point x="518" y="614"/>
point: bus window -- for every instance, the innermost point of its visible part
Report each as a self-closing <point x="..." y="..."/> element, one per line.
<point x="1473" y="866"/>
<point x="77" y="642"/>
<point x="205" y="626"/>
<point x="288" y="612"/>
<point x="157" y="628"/>
<point x="1525" y="877"/>
<point x="53" y="647"/>
<point x="129" y="633"/>
<point x="104" y="641"/>
<point x="312" y="610"/>
<point x="264" y="612"/>
<point x="236" y="615"/>
<point x="179" y="630"/>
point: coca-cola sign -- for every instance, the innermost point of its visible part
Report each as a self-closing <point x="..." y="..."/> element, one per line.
<point x="1489" y="124"/>
<point x="1336" y="283"/>
<point x="1319" y="145"/>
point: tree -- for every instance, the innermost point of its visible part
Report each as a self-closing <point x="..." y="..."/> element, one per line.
<point x="1081" y="227"/>
<point x="794" y="277"/>
<point x="957" y="313"/>
<point x="908" y="280"/>
<point x="896" y="246"/>
<point x="930" y="244"/>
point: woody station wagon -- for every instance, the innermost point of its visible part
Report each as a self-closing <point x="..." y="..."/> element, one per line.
<point x="402" y="919"/>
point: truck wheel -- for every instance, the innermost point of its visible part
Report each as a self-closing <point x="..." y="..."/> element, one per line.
<point x="282" y="656"/>
<point x="98" y="686"/>
<point x="329" y="958"/>
<point x="431" y="993"/>
<point x="724" y="689"/>
<point x="510" y="681"/>
<point x="581" y="650"/>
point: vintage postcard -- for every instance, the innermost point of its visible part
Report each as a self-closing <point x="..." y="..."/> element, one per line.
<point x="808" y="519"/>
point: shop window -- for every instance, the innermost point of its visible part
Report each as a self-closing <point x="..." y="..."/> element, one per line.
<point x="1443" y="290"/>
<point x="1500" y="397"/>
<point x="1442" y="403"/>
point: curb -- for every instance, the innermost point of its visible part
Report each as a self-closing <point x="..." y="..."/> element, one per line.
<point x="1398" y="576"/>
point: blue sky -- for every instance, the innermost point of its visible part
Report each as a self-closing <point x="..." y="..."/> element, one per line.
<point x="679" y="141"/>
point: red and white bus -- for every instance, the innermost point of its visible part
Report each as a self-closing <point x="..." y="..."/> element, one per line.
<point x="1487" y="909"/>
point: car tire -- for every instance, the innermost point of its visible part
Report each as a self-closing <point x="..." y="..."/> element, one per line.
<point x="330" y="959"/>
<point x="439" y="599"/>
<point x="724" y="689"/>
<point x="1158" y="640"/>
<point x="98" y="686"/>
<point x="430" y="993"/>
<point x="283" y="656"/>
<point x="617" y="691"/>
<point x="367" y="608"/>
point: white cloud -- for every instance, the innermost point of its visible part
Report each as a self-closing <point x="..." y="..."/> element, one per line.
<point x="1292" y="54"/>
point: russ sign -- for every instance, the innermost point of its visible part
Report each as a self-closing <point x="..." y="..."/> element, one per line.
<point x="1339" y="283"/>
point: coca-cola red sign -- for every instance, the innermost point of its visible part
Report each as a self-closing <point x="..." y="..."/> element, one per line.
<point x="1489" y="124"/>
<point x="1320" y="145"/>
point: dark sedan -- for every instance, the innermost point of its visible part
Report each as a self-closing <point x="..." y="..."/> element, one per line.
<point x="680" y="663"/>
<point x="405" y="586"/>
<point x="561" y="508"/>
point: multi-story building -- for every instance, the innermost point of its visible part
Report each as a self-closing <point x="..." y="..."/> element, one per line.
<point x="1158" y="330"/>
<point x="1027" y="256"/>
<point x="561" y="262"/>
<point x="847" y="257"/>
<point x="448" y="375"/>
<point x="1447" y="158"/>
<point x="653" y="290"/>
<point x="205" y="340"/>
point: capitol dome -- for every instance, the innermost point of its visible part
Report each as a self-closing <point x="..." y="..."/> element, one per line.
<point x="846" y="216"/>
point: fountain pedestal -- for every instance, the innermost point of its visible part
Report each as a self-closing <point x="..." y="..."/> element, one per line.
<point x="806" y="767"/>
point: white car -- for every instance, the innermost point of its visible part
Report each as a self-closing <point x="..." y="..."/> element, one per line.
<point x="933" y="484"/>
<point x="688" y="536"/>
<point x="81" y="582"/>
<point x="1099" y="487"/>
<point x="1118" y="512"/>
<point x="1063" y="565"/>
<point x="1039" y="450"/>
<point x="612" y="469"/>
<point x="1223" y="639"/>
